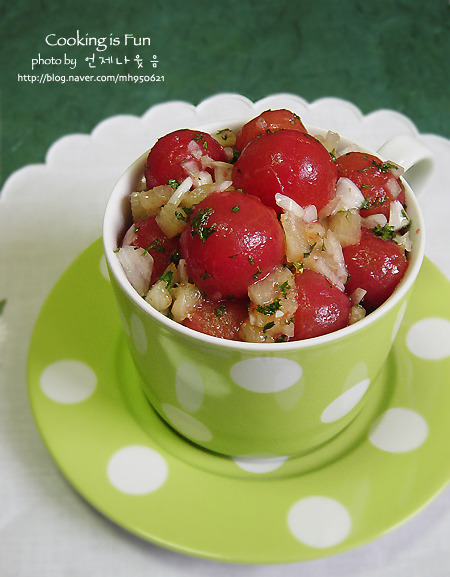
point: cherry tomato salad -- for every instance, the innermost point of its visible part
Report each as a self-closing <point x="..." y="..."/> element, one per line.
<point x="270" y="234"/>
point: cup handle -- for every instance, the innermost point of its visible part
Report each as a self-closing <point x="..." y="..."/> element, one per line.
<point x="417" y="160"/>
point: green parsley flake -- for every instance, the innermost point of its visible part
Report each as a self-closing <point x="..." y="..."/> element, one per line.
<point x="257" y="273"/>
<point x="220" y="310"/>
<point x="385" y="232"/>
<point x="269" y="309"/>
<point x="268" y="326"/>
<point x="281" y="339"/>
<point x="156" y="245"/>
<point x="235" y="208"/>
<point x="173" y="183"/>
<point x="199" y="224"/>
<point x="381" y="166"/>
<point x="374" y="203"/>
<point x="284" y="288"/>
<point x="167" y="278"/>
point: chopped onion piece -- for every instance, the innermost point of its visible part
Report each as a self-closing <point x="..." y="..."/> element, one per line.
<point x="296" y="236"/>
<point x="356" y="314"/>
<point x="348" y="197"/>
<point x="130" y="235"/>
<point x="374" y="220"/>
<point x="328" y="259"/>
<point x="221" y="186"/>
<point x="394" y="187"/>
<point x="137" y="264"/>
<point x="397" y="171"/>
<point x="404" y="240"/>
<point x="171" y="220"/>
<point x="308" y="214"/>
<point x="159" y="296"/>
<point x="195" y="149"/>
<point x="229" y="152"/>
<point x="357" y="296"/>
<point x="204" y="178"/>
<point x="347" y="226"/>
<point x="180" y="191"/>
<point x="191" y="168"/>
<point x="182" y="271"/>
<point x="398" y="218"/>
<point x="208" y="162"/>
<point x="349" y="194"/>
<point x="186" y="298"/>
<point x="286" y="203"/>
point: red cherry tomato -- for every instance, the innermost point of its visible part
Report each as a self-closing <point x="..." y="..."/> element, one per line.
<point x="290" y="162"/>
<point x="221" y="319"/>
<point x="232" y="241"/>
<point x="373" y="177"/>
<point x="375" y="265"/>
<point x="268" y="121"/>
<point x="322" y="307"/>
<point x="165" y="160"/>
<point x="162" y="249"/>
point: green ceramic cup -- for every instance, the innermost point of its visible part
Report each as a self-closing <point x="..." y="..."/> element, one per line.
<point x="259" y="400"/>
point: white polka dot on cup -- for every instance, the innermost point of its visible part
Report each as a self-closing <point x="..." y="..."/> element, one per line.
<point x="68" y="381"/>
<point x="343" y="404"/>
<point x="398" y="321"/>
<point x="429" y="338"/>
<point x="319" y="521"/>
<point x="138" y="334"/>
<point x="189" y="387"/>
<point x="259" y="465"/>
<point x="186" y="424"/>
<point x="137" y="470"/>
<point x="266" y="374"/>
<point x="399" y="430"/>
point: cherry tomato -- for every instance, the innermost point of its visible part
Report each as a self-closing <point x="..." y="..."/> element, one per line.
<point x="165" y="160"/>
<point x="375" y="265"/>
<point x="162" y="249"/>
<point x="268" y="121"/>
<point x="375" y="180"/>
<point x="221" y="319"/>
<point x="322" y="307"/>
<point x="290" y="162"/>
<point x="232" y="240"/>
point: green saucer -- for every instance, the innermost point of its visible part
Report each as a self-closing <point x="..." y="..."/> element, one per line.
<point x="123" y="459"/>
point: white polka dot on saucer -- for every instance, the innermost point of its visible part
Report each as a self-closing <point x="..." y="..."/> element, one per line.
<point x="68" y="381"/>
<point x="137" y="470"/>
<point x="319" y="521"/>
<point x="399" y="430"/>
<point x="429" y="338"/>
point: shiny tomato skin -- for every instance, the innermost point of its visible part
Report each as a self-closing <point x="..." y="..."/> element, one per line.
<point x="244" y="242"/>
<point x="375" y="265"/>
<point x="268" y="121"/>
<point x="165" y="159"/>
<point x="375" y="183"/>
<point x="161" y="248"/>
<point x="221" y="319"/>
<point x="289" y="162"/>
<point x="322" y="307"/>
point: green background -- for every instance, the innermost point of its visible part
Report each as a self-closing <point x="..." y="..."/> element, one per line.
<point x="384" y="54"/>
